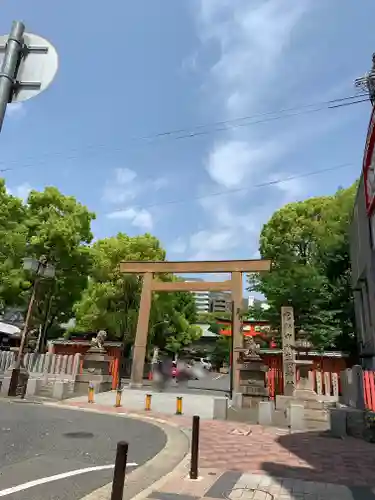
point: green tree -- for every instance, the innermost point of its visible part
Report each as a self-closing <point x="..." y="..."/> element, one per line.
<point x="221" y="352"/>
<point x="58" y="227"/>
<point x="111" y="300"/>
<point x="308" y="245"/>
<point x="13" y="237"/>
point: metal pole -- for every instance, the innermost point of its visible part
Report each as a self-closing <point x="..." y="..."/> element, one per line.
<point x="9" y="67"/>
<point x="18" y="364"/>
<point x="119" y="472"/>
<point x="27" y="321"/>
<point x="194" y="448"/>
<point x="231" y="358"/>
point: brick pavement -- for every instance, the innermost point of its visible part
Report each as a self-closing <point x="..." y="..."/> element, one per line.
<point x="276" y="453"/>
<point x="213" y="484"/>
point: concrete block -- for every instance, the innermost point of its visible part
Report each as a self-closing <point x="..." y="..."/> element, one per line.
<point x="265" y="412"/>
<point x="5" y="386"/>
<point x="59" y="389"/>
<point x="338" y="422"/>
<point x="237" y="400"/>
<point x="33" y="386"/>
<point x="297" y="417"/>
<point x="220" y="409"/>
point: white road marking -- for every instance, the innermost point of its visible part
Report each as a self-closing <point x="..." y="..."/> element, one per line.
<point x="218" y="377"/>
<point x="56" y="477"/>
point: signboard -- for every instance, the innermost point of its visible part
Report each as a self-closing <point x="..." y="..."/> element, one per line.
<point x="369" y="166"/>
<point x="38" y="66"/>
<point x="288" y="341"/>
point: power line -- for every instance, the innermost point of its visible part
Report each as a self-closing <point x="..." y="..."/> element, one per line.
<point x="220" y="126"/>
<point x="238" y="190"/>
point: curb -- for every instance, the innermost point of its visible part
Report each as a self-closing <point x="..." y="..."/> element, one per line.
<point x="153" y="474"/>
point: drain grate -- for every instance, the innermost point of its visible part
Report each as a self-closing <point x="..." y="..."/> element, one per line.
<point x="246" y="492"/>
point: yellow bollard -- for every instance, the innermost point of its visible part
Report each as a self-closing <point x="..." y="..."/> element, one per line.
<point x="148" y="402"/>
<point x="91" y="393"/>
<point x="179" y="406"/>
<point x="118" y="398"/>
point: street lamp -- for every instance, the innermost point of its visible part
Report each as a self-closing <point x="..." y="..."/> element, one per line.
<point x="42" y="269"/>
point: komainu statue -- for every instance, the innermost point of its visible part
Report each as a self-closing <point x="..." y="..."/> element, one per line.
<point x="98" y="341"/>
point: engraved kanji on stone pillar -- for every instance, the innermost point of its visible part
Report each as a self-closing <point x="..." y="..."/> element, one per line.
<point x="288" y="341"/>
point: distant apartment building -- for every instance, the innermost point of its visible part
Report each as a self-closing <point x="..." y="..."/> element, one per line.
<point x="220" y="302"/>
<point x="202" y="298"/>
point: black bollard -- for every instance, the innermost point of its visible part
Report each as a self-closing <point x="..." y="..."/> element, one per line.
<point x="194" y="448"/>
<point x="120" y="469"/>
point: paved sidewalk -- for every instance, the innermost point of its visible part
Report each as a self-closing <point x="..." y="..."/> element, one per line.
<point x="231" y="485"/>
<point x="307" y="456"/>
<point x="162" y="402"/>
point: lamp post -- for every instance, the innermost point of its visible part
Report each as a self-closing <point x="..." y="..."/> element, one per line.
<point x="41" y="269"/>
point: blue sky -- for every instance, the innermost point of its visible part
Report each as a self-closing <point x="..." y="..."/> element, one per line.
<point x="136" y="68"/>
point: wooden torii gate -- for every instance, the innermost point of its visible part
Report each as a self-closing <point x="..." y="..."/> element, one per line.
<point x="149" y="269"/>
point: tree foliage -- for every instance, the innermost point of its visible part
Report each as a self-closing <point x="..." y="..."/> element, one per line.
<point x="308" y="244"/>
<point x="13" y="237"/>
<point x="111" y="300"/>
<point x="52" y="225"/>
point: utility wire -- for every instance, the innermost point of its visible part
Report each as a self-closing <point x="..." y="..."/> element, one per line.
<point x="242" y="189"/>
<point x="214" y="127"/>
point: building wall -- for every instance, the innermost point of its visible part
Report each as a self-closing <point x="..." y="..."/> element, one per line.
<point x="362" y="255"/>
<point x="220" y="302"/>
<point x="202" y="301"/>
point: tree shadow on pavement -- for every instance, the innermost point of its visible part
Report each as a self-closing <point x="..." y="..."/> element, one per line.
<point x="319" y="457"/>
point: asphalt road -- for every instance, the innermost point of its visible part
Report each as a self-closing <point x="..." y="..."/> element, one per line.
<point x="214" y="384"/>
<point x="38" y="442"/>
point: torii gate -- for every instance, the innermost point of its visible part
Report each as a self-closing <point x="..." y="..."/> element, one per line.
<point x="234" y="285"/>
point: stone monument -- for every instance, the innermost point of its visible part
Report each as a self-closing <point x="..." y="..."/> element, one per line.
<point x="288" y="340"/>
<point x="253" y="381"/>
<point x="95" y="371"/>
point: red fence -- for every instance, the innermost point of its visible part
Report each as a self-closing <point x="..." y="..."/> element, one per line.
<point x="369" y="389"/>
<point x="113" y="352"/>
<point x="325" y="366"/>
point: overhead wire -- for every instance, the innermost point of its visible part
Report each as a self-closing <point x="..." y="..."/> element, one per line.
<point x="238" y="190"/>
<point x="213" y="127"/>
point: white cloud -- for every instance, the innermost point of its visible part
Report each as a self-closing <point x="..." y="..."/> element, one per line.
<point x="232" y="162"/>
<point x="21" y="191"/>
<point x="140" y="218"/>
<point x="252" y="37"/>
<point x="253" y="40"/>
<point x="126" y="185"/>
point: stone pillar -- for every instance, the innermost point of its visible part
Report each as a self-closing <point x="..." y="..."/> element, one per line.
<point x="236" y="325"/>
<point x="140" y="343"/>
<point x="288" y="340"/>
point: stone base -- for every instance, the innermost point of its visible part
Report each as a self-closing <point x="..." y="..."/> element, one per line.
<point x="15" y="381"/>
<point x="135" y="385"/>
<point x="220" y="409"/>
<point x="265" y="412"/>
<point x="251" y="401"/>
<point x="101" y="383"/>
<point x="305" y="394"/>
<point x="283" y="402"/>
<point x="96" y="362"/>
